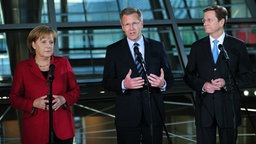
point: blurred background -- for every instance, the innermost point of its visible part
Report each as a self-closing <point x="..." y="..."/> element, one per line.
<point x="86" y="27"/>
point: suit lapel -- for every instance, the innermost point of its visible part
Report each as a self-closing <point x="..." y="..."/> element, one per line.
<point x="127" y="56"/>
<point x="225" y="42"/>
<point x="147" y="52"/>
<point x="34" y="68"/>
<point x="208" y="51"/>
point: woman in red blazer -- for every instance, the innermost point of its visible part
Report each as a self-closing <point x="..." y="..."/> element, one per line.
<point x="31" y="86"/>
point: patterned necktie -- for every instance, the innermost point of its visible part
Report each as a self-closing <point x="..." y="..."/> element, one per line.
<point x="215" y="52"/>
<point x="137" y="61"/>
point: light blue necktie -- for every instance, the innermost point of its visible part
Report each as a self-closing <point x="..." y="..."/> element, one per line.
<point x="215" y="52"/>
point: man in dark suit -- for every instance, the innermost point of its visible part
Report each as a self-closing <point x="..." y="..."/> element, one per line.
<point x="139" y="101"/>
<point x="217" y="101"/>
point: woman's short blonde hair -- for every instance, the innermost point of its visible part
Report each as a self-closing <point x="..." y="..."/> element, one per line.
<point x="39" y="32"/>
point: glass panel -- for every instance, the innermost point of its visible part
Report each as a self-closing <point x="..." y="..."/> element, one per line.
<point x="86" y="10"/>
<point x="13" y="50"/>
<point x="44" y="17"/>
<point x="190" y="34"/>
<point x="240" y="10"/>
<point x="86" y="49"/>
<point x="187" y="9"/>
<point x="246" y="33"/>
<point x="19" y="12"/>
<point x="104" y="10"/>
<point x="165" y="35"/>
<point x="5" y="72"/>
<point x="1" y="15"/>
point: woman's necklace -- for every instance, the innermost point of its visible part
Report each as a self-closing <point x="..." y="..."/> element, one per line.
<point x="42" y="65"/>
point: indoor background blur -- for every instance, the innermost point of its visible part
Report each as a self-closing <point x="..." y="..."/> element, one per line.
<point x="86" y="27"/>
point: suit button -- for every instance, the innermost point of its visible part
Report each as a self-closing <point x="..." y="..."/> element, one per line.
<point x="215" y="69"/>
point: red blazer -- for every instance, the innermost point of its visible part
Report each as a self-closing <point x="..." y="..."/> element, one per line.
<point x="29" y="84"/>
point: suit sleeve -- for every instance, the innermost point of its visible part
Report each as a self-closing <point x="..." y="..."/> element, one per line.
<point x="111" y="81"/>
<point x="191" y="76"/>
<point x="244" y="77"/>
<point x="17" y="93"/>
<point x="73" y="90"/>
<point x="168" y="75"/>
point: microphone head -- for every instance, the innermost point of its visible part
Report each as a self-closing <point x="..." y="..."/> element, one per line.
<point x="136" y="50"/>
<point x="222" y="49"/>
<point x="51" y="70"/>
<point x="220" y="46"/>
<point x="139" y="55"/>
<point x="52" y="67"/>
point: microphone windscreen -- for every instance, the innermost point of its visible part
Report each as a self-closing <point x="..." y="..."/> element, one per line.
<point x="52" y="67"/>
<point x="220" y="46"/>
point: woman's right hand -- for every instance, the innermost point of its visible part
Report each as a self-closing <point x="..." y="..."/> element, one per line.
<point x="41" y="103"/>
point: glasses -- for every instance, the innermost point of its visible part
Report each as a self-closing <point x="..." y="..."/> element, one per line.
<point x="208" y="20"/>
<point x="134" y="24"/>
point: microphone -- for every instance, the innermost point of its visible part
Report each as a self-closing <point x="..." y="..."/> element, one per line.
<point x="139" y="55"/>
<point x="141" y="60"/>
<point x="222" y="49"/>
<point x="51" y="70"/>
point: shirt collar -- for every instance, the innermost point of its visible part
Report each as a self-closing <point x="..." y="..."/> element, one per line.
<point x="140" y="42"/>
<point x="220" y="39"/>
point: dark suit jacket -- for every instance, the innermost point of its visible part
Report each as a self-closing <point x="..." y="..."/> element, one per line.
<point x="129" y="104"/>
<point x="201" y="69"/>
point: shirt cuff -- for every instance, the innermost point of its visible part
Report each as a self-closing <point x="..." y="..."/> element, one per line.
<point x="163" y="88"/>
<point x="122" y="85"/>
<point x="203" y="90"/>
<point x="33" y="110"/>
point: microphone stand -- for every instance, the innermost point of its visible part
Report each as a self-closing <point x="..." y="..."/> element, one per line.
<point x="51" y="138"/>
<point x="150" y="107"/>
<point x="232" y="84"/>
<point x="149" y="103"/>
<point x="233" y="87"/>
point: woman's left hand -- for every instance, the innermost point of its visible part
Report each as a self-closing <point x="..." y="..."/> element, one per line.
<point x="58" y="102"/>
